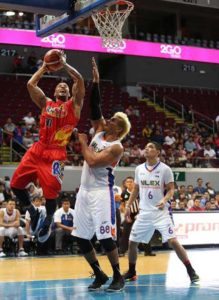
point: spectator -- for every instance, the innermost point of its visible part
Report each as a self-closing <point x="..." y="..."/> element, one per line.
<point x="34" y="191"/>
<point x="2" y="189"/>
<point x="173" y="205"/>
<point x="64" y="220"/>
<point x="31" y="227"/>
<point x="124" y="162"/>
<point x="29" y="120"/>
<point x="28" y="139"/>
<point x="17" y="64"/>
<point x="199" y="188"/>
<point x="190" y="191"/>
<point x="32" y="61"/>
<point x="208" y="205"/>
<point x="190" y="145"/>
<point x="10" y="226"/>
<point x="182" y="206"/>
<point x="209" y="152"/>
<point x="210" y="190"/>
<point x="9" y="128"/>
<point x="135" y="151"/>
<point x="157" y="137"/>
<point x="197" y="205"/>
<point x="169" y="140"/>
<point x="146" y="131"/>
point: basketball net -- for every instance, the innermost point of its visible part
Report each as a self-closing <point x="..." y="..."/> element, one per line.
<point x="109" y="22"/>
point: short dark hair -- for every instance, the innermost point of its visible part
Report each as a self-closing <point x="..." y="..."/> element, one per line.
<point x="65" y="199"/>
<point x="157" y="145"/>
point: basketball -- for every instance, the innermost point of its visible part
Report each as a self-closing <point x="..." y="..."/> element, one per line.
<point x="52" y="59"/>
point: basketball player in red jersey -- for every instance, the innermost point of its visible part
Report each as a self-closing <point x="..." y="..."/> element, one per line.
<point x="44" y="160"/>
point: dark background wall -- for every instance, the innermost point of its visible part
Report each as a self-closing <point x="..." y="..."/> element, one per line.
<point x="128" y="70"/>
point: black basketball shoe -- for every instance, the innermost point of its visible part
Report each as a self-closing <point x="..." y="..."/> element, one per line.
<point x="99" y="280"/>
<point x="116" y="285"/>
<point x="130" y="276"/>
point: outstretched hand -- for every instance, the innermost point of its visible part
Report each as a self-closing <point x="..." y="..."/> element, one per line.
<point x="96" y="76"/>
<point x="62" y="58"/>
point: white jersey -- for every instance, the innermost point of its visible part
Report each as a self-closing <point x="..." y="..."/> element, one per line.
<point x="98" y="177"/>
<point x="152" y="184"/>
<point x="9" y="218"/>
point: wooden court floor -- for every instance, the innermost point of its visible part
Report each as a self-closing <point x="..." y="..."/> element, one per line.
<point x="67" y="277"/>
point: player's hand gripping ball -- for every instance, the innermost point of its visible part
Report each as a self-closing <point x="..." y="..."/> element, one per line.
<point x="53" y="59"/>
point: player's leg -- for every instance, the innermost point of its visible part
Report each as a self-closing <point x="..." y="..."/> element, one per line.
<point x="89" y="254"/>
<point x="25" y="173"/>
<point x="45" y="230"/>
<point x="50" y="175"/>
<point x="182" y="254"/>
<point x="104" y="216"/>
<point x="84" y="231"/>
<point x="166" y="228"/>
<point x="142" y="231"/>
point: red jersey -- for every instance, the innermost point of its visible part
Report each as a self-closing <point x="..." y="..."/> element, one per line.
<point x="57" y="122"/>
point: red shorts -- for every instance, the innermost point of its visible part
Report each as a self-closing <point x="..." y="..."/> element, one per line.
<point x="34" y="166"/>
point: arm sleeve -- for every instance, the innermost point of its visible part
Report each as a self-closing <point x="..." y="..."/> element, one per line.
<point x="95" y="99"/>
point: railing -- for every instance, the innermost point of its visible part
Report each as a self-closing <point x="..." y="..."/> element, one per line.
<point x="13" y="142"/>
<point x="167" y="103"/>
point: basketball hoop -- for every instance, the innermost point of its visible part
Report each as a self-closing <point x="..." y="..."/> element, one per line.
<point x="109" y="22"/>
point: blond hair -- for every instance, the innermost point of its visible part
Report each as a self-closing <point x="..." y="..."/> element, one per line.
<point x="124" y="122"/>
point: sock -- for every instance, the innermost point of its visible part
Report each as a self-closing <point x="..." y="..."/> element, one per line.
<point x="116" y="271"/>
<point x="96" y="267"/>
<point x="132" y="268"/>
<point x="188" y="266"/>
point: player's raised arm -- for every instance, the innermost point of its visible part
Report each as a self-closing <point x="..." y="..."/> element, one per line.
<point x="78" y="88"/>
<point x="36" y="94"/>
<point x="96" y="116"/>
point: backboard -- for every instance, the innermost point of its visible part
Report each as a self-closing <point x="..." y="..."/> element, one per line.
<point x="81" y="9"/>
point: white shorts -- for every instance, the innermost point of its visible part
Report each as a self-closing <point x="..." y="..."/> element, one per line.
<point x="11" y="232"/>
<point x="95" y="213"/>
<point x="147" y="222"/>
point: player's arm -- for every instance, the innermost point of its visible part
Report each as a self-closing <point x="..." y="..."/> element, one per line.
<point x="27" y="227"/>
<point x="2" y="223"/>
<point x="132" y="198"/>
<point x="78" y="88"/>
<point x="16" y="223"/>
<point x="36" y="94"/>
<point x="64" y="227"/>
<point x="169" y="195"/>
<point x="104" y="158"/>
<point x="96" y="116"/>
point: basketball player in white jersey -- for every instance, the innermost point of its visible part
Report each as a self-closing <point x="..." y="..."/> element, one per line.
<point x="152" y="178"/>
<point x="95" y="205"/>
<point x="10" y="226"/>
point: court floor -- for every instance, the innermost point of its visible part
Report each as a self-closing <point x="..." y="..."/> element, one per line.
<point x="67" y="277"/>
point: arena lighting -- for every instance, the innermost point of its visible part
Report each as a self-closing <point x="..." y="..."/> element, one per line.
<point x="9" y="13"/>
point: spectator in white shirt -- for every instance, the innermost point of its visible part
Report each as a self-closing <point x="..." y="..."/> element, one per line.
<point x="169" y="139"/>
<point x="29" y="120"/>
<point x="64" y="220"/>
<point x="209" y="152"/>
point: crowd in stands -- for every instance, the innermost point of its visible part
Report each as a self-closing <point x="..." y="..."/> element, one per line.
<point x="182" y="145"/>
<point x="202" y="197"/>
